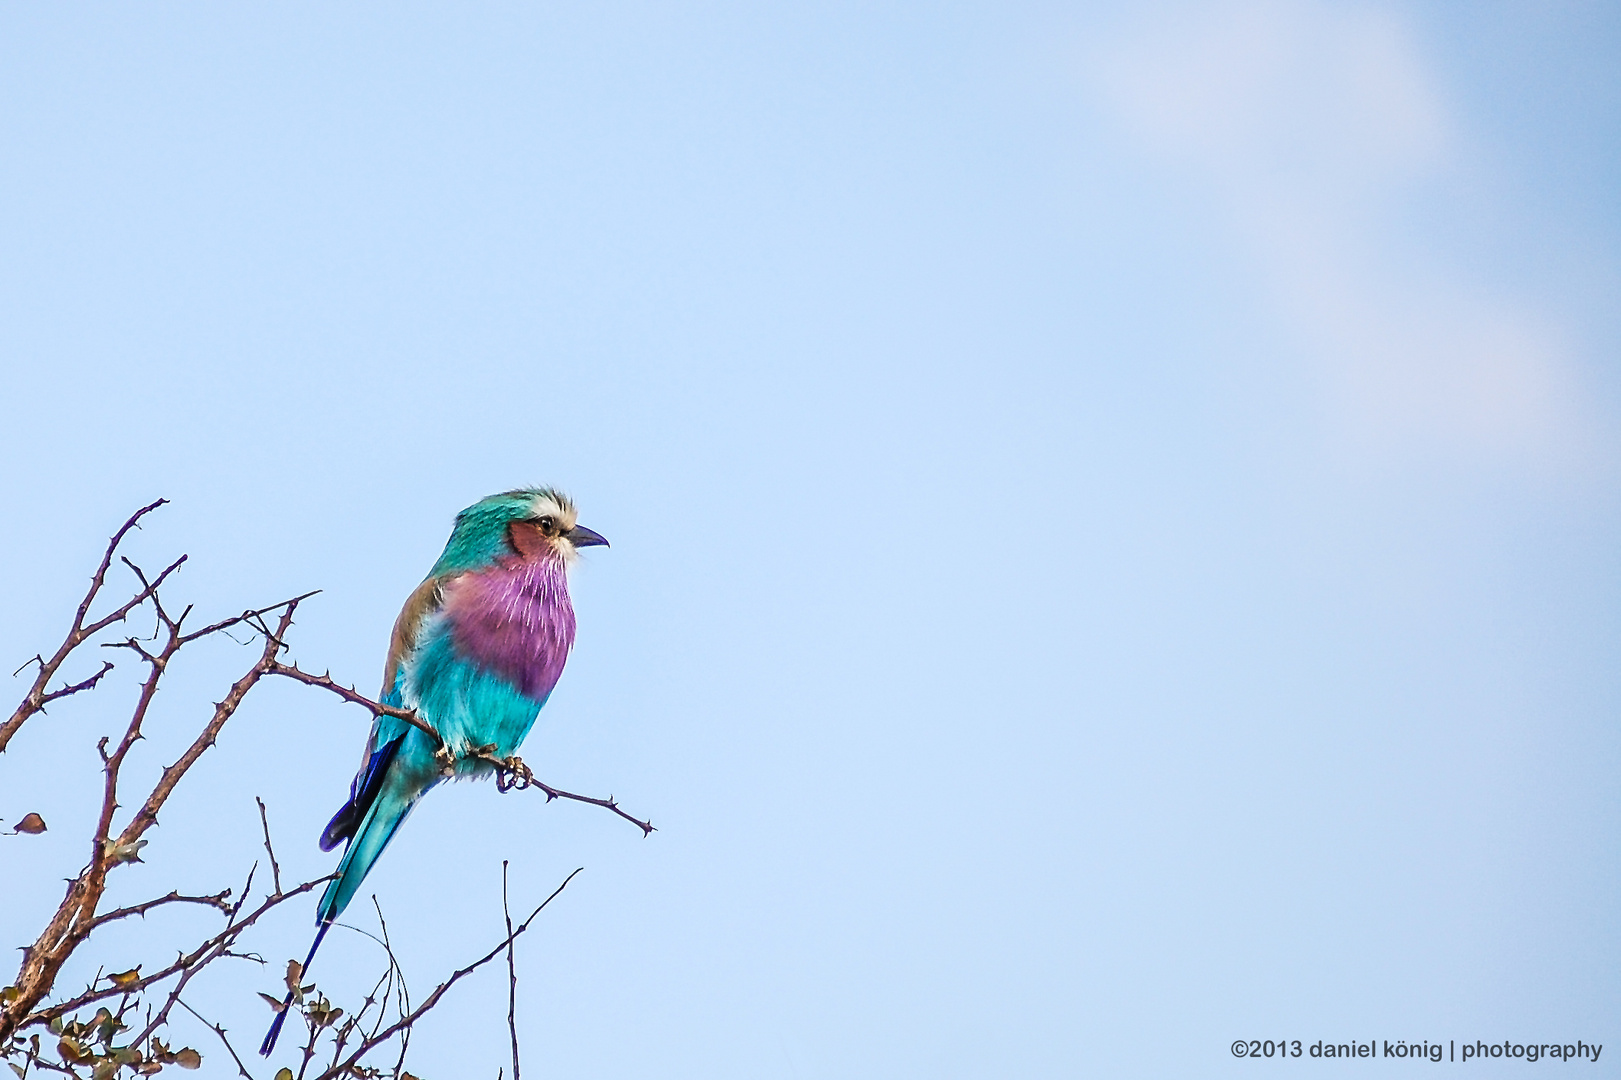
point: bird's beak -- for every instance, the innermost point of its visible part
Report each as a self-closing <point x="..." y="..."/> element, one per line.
<point x="580" y="537"/>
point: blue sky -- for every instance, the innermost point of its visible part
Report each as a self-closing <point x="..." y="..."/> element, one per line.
<point x="1114" y="509"/>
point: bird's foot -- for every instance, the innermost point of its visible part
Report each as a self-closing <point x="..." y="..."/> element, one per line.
<point x="445" y="758"/>
<point x="513" y="773"/>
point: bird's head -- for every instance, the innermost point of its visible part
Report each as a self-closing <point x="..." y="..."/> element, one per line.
<point x="547" y="523"/>
<point x="531" y="522"/>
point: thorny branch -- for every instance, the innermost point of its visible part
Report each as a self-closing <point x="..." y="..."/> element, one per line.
<point x="87" y="684"/>
<point x="275" y="868"/>
<point x="405" y="1022"/>
<point x="76" y="917"/>
<point x="213" y="947"/>
<point x="219" y="946"/>
<point x="511" y="773"/>
<point x="215" y="901"/>
<point x="348" y="693"/>
<point x="80" y="631"/>
<point x="94" y="1043"/>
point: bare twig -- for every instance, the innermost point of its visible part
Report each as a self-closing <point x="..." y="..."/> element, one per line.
<point x="309" y="1044"/>
<point x="219" y="1030"/>
<point x="381" y="991"/>
<point x="407" y="1021"/>
<point x="218" y="948"/>
<point x="275" y="869"/>
<point x="403" y="1000"/>
<point x="87" y="684"/>
<point x="253" y="617"/>
<point x="512" y="973"/>
<point x="147" y="815"/>
<point x="513" y="774"/>
<point x="215" y="901"/>
<point x="80" y="631"/>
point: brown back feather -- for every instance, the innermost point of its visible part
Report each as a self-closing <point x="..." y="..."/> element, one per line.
<point x="422" y="601"/>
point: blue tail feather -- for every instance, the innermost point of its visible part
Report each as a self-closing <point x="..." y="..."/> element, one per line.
<point x="382" y="821"/>
<point x="287" y="1005"/>
<point x="362" y="793"/>
<point x="382" y="798"/>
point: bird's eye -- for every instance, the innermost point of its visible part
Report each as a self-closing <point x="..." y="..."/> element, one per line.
<point x="548" y="525"/>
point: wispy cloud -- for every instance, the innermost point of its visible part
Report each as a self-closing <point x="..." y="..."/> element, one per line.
<point x="1312" y="123"/>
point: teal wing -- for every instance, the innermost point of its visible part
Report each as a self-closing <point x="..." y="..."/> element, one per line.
<point x="397" y="771"/>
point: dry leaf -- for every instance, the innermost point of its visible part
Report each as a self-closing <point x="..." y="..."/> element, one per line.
<point x="32" y="824"/>
<point x="71" y="1051"/>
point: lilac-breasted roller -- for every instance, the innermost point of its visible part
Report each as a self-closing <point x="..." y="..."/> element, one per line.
<point x="475" y="652"/>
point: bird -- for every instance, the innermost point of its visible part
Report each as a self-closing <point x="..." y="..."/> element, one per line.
<point x="475" y="652"/>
